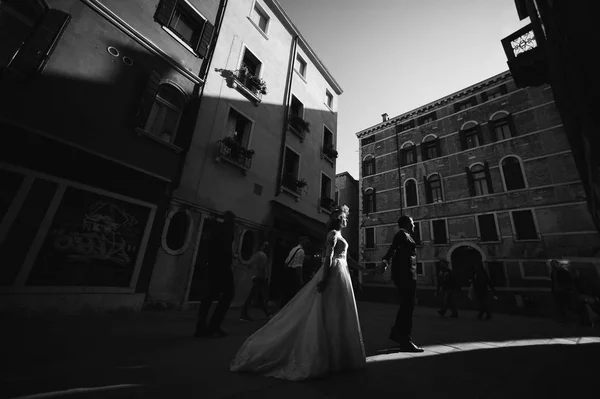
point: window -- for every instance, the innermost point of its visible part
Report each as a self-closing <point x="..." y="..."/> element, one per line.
<point x="251" y="63"/>
<point x="416" y="235"/>
<point x="260" y="18"/>
<point x="29" y="32"/>
<point x="427" y="118"/>
<point x="501" y="126"/>
<point x="368" y="166"/>
<point x="238" y="127"/>
<point x="325" y="191"/>
<point x="337" y="195"/>
<point x="367" y="140"/>
<point x="186" y="24"/>
<point x="410" y="190"/>
<point x="327" y="137"/>
<point x="439" y="232"/>
<point x="479" y="180"/>
<point x="512" y="174"/>
<point x="329" y="99"/>
<point x="420" y="269"/>
<point x="370" y="237"/>
<point x="470" y="136"/>
<point x="490" y="95"/>
<point x="291" y="167"/>
<point x="300" y="66"/>
<point x="524" y="225"/>
<point x="165" y="114"/>
<point x="461" y="106"/>
<point x="247" y="246"/>
<point x="408" y="154"/>
<point x="369" y="201"/>
<point x="488" y="231"/>
<point x="177" y="231"/>
<point x="296" y="108"/>
<point x="430" y="148"/>
<point x="405" y="126"/>
<point x="493" y="95"/>
<point x="496" y="272"/>
<point x="433" y="189"/>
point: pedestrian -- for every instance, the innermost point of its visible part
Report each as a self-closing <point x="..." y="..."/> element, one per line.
<point x="293" y="270"/>
<point x="563" y="288"/>
<point x="482" y="285"/>
<point x="260" y="283"/>
<point x="403" y="253"/>
<point x="219" y="279"/>
<point x="318" y="332"/>
<point x="447" y="286"/>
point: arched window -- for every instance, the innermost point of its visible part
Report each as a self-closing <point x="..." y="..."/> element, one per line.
<point x="165" y="113"/>
<point x="470" y="135"/>
<point x="247" y="245"/>
<point x="177" y="232"/>
<point x="368" y="165"/>
<point x="410" y="190"/>
<point x="479" y="180"/>
<point x="369" y="201"/>
<point x="408" y="154"/>
<point x="513" y="174"/>
<point x="501" y="126"/>
<point x="433" y="189"/>
<point x="430" y="148"/>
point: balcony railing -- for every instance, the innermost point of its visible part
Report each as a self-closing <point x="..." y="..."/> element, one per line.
<point x="291" y="183"/>
<point x="526" y="59"/>
<point x="249" y="82"/>
<point x="299" y="126"/>
<point x="235" y="154"/>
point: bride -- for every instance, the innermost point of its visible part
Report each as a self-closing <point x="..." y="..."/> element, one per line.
<point x="318" y="331"/>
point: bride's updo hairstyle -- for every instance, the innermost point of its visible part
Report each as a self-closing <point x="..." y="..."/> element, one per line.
<point x="335" y="221"/>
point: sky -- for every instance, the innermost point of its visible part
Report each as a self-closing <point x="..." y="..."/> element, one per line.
<point x="392" y="56"/>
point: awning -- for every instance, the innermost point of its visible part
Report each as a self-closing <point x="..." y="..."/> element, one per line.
<point x="290" y="219"/>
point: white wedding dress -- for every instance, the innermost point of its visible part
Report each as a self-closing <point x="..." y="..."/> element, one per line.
<point x="315" y="333"/>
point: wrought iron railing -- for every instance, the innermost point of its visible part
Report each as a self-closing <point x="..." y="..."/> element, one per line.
<point x="520" y="42"/>
<point x="235" y="154"/>
<point x="329" y="151"/>
<point x="249" y="81"/>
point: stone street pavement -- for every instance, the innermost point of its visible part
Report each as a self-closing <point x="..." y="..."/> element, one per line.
<point x="152" y="355"/>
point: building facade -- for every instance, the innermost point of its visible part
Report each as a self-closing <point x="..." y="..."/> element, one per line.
<point x="264" y="149"/>
<point x="489" y="178"/>
<point x="100" y="99"/>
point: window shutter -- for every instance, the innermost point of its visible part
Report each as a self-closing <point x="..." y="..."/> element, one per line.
<point x="374" y="200"/>
<point x="402" y="158"/>
<point x="493" y="135"/>
<point x="423" y="151"/>
<point x="463" y="140"/>
<point x="428" y="193"/>
<point x="205" y="39"/>
<point x="147" y="100"/>
<point x="364" y="202"/>
<point x="37" y="47"/>
<point x="165" y="11"/>
<point x="470" y="182"/>
<point x="488" y="177"/>
<point x="364" y="168"/>
<point x="373" y="168"/>
<point x="479" y="135"/>
<point x="484" y="97"/>
<point x="511" y="125"/>
<point x="438" y="147"/>
<point x="414" y="152"/>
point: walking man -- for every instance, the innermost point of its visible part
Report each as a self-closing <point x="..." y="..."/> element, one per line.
<point x="446" y="285"/>
<point x="482" y="284"/>
<point x="219" y="277"/>
<point x="260" y="283"/>
<point x="293" y="270"/>
<point x="403" y="254"/>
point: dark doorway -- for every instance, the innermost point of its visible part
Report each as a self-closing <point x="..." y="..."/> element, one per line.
<point x="202" y="260"/>
<point x="464" y="260"/>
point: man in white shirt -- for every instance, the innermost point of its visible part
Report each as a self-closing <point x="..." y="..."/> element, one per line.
<point x="293" y="270"/>
<point x="260" y="283"/>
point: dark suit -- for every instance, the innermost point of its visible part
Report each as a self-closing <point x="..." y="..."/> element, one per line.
<point x="403" y="254"/>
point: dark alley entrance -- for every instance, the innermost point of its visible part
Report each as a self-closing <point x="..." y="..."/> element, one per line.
<point x="464" y="260"/>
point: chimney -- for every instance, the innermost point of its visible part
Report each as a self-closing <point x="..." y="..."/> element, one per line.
<point x="385" y="117"/>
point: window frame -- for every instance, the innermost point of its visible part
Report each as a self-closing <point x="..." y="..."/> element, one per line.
<point x="408" y="147"/>
<point x="328" y="96"/>
<point x="535" y="223"/>
<point x="240" y="62"/>
<point x="405" y="191"/>
<point x="370" y="194"/>
<point x="252" y="124"/>
<point x="302" y="62"/>
<point x="261" y="10"/>
<point x="430" y="142"/>
<point x="485" y="181"/>
<point x="367" y="140"/>
<point x="167" y="225"/>
<point x="331" y="183"/>
<point x="367" y="238"/>
<point x="432" y="232"/>
<point x="297" y="177"/>
<point x="497" y="227"/>
<point x="370" y="162"/>
<point x="167" y="104"/>
<point x="430" y="190"/>
<point x="191" y="12"/>
<point x="301" y="103"/>
<point x="521" y="166"/>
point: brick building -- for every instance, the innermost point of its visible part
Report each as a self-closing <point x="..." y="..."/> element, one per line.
<point x="99" y="102"/>
<point x="488" y="176"/>
<point x="346" y="193"/>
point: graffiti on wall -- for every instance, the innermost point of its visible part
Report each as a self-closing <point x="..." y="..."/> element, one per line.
<point x="94" y="240"/>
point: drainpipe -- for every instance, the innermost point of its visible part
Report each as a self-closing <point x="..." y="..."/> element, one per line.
<point x="399" y="177"/>
<point x="286" y="110"/>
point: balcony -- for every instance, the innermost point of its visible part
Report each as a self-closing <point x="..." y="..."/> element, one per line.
<point x="526" y="57"/>
<point x="326" y="204"/>
<point x="252" y="87"/>
<point x="299" y="127"/>
<point x="230" y="151"/>
<point x="293" y="185"/>
<point x="329" y="153"/>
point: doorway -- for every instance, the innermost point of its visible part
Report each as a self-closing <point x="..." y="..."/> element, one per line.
<point x="465" y="260"/>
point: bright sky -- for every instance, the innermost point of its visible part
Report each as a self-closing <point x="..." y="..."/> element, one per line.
<point x="396" y="55"/>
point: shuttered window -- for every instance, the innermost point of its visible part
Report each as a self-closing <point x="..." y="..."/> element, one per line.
<point x="487" y="228"/>
<point x="408" y="154"/>
<point x="433" y="189"/>
<point x="369" y="205"/>
<point x="368" y="166"/>
<point x="367" y="140"/>
<point x="165" y="113"/>
<point x="430" y="148"/>
<point x="513" y="175"/>
<point x="186" y="23"/>
<point x="479" y="180"/>
<point x="501" y="126"/>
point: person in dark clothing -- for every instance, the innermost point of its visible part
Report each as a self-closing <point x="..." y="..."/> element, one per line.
<point x="482" y="284"/>
<point x="403" y="254"/>
<point x="446" y="285"/>
<point x="563" y="288"/>
<point x="219" y="278"/>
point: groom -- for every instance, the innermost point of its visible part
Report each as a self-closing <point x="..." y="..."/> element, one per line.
<point x="403" y="253"/>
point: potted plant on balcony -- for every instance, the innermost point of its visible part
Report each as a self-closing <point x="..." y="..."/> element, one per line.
<point x="257" y="84"/>
<point x="330" y="151"/>
<point x="234" y="147"/>
<point x="299" y="124"/>
<point x="327" y="203"/>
